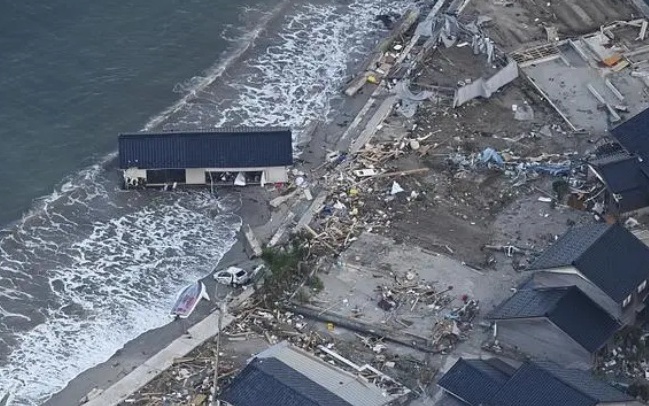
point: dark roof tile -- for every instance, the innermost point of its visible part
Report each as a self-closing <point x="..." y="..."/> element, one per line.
<point x="568" y="308"/>
<point x="474" y="381"/>
<point x="569" y="247"/>
<point x="533" y="386"/>
<point x="270" y="382"/>
<point x="585" y="382"/>
<point x="610" y="256"/>
<point x="623" y="174"/>
<point x="633" y="134"/>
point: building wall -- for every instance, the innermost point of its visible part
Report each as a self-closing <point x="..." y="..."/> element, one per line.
<point x="570" y="277"/>
<point x="541" y="339"/>
<point x="276" y="175"/>
<point x="195" y="176"/>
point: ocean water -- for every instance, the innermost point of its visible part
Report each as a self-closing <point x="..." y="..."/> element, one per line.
<point x="88" y="267"/>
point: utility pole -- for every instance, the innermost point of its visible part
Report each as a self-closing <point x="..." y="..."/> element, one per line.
<point x="221" y="305"/>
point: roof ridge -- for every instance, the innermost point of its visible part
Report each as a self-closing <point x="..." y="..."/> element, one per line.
<point x="588" y="395"/>
<point x="567" y="290"/>
<point x="283" y="383"/>
<point x="609" y="227"/>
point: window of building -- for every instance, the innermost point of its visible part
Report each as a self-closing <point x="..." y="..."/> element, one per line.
<point x="642" y="286"/>
<point x="626" y="301"/>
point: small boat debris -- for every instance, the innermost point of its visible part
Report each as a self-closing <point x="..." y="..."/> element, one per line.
<point x="188" y="298"/>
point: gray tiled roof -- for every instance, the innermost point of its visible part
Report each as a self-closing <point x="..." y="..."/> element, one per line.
<point x="474" y="381"/>
<point x="633" y="134"/>
<point x="608" y="255"/>
<point x="570" y="246"/>
<point x="623" y="174"/>
<point x="585" y="382"/>
<point x="483" y="382"/>
<point x="270" y="382"/>
<point x="532" y="386"/>
<point x="568" y="308"/>
<point x="529" y="303"/>
<point x="218" y="148"/>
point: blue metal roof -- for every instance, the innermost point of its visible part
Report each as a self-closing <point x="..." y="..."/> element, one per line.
<point x="219" y="148"/>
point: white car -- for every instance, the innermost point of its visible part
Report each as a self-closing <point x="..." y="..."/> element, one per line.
<point x="232" y="276"/>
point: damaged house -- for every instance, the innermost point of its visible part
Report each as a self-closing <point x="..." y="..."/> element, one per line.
<point x="285" y="375"/>
<point x="583" y="289"/>
<point x="624" y="169"/>
<point x="219" y="157"/>
<point x="558" y="324"/>
<point x="606" y="262"/>
<point x="476" y="382"/>
<point x="491" y="69"/>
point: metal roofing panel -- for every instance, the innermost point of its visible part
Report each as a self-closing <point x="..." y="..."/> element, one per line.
<point x="341" y="383"/>
<point x="220" y="148"/>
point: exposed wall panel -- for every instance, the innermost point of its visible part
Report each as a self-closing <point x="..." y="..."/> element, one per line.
<point x="543" y="340"/>
<point x="195" y="176"/>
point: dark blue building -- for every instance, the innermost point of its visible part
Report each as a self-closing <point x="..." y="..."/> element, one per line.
<point x="225" y="156"/>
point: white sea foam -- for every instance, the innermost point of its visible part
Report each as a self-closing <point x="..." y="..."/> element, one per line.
<point x="114" y="284"/>
<point x="113" y="276"/>
<point x="297" y="79"/>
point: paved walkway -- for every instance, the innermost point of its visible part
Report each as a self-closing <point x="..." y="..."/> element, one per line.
<point x="145" y="373"/>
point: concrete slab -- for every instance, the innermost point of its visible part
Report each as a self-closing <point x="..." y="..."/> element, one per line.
<point x="566" y="80"/>
<point x="517" y="24"/>
<point x="373" y="261"/>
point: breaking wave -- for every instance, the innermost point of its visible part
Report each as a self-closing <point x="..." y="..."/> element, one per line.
<point x="91" y="267"/>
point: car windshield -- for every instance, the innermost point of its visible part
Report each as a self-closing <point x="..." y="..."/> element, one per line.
<point x="241" y="273"/>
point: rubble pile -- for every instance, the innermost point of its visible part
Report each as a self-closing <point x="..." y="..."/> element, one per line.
<point x="352" y="184"/>
<point x="189" y="381"/>
<point x="274" y="326"/>
<point x="626" y="360"/>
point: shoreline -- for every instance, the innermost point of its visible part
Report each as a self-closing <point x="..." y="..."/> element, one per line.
<point x="254" y="211"/>
<point x="135" y="352"/>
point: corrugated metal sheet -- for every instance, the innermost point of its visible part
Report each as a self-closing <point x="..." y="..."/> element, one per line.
<point x="338" y="382"/>
<point x="220" y="148"/>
